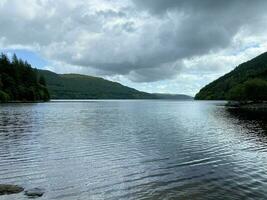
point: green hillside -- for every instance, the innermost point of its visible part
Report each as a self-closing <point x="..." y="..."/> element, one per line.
<point x="245" y="82"/>
<point x="173" y="96"/>
<point x="75" y="86"/>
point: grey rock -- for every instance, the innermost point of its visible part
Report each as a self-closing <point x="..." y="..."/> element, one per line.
<point x="34" y="192"/>
<point x="233" y="104"/>
<point x="10" y="189"/>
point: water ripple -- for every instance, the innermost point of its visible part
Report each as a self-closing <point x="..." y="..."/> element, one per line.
<point x="132" y="150"/>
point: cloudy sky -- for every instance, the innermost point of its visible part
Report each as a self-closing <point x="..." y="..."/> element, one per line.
<point x="170" y="46"/>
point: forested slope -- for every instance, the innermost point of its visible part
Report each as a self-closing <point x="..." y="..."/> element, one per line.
<point x="245" y="82"/>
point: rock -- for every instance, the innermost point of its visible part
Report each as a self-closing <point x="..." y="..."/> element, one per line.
<point x="10" y="189"/>
<point x="34" y="192"/>
<point x="233" y="104"/>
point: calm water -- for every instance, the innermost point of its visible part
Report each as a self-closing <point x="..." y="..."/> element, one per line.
<point x="133" y="150"/>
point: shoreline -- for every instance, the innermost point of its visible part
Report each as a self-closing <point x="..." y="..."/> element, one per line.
<point x="255" y="107"/>
<point x="10" y="102"/>
<point x="84" y="100"/>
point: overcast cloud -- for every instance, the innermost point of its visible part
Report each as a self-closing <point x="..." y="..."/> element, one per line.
<point x="174" y="46"/>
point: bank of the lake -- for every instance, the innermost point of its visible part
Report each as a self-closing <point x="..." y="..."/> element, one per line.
<point x="253" y="107"/>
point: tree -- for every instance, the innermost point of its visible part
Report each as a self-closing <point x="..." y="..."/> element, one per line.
<point x="4" y="59"/>
<point x="251" y="90"/>
<point x="256" y="90"/>
<point x="42" y="80"/>
<point x="4" y="97"/>
<point x="19" y="81"/>
<point x="1" y="83"/>
<point x="237" y="93"/>
<point x="15" y="60"/>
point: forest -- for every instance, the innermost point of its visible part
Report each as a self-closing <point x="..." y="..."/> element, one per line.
<point x="19" y="82"/>
<point x="247" y="82"/>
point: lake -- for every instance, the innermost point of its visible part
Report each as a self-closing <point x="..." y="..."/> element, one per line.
<point x="133" y="149"/>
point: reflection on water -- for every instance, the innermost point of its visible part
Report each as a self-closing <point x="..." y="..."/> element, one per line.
<point x="247" y="117"/>
<point x="133" y="150"/>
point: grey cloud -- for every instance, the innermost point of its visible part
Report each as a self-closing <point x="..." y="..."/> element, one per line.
<point x="129" y="27"/>
<point x="196" y="6"/>
<point x="142" y="41"/>
<point x="111" y="14"/>
<point x="163" y="72"/>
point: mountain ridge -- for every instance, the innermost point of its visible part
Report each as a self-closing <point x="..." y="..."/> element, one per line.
<point x="79" y="86"/>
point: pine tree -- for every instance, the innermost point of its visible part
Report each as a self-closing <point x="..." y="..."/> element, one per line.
<point x="19" y="81"/>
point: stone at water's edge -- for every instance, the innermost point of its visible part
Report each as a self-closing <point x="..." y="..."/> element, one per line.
<point x="10" y="189"/>
<point x="249" y="106"/>
<point x="255" y="107"/>
<point x="233" y="104"/>
<point x="35" y="192"/>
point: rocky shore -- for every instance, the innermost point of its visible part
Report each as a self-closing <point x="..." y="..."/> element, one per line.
<point x="7" y="189"/>
<point x="10" y="189"/>
<point x="256" y="107"/>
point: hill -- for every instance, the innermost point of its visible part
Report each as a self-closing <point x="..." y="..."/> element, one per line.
<point x="245" y="82"/>
<point x="20" y="82"/>
<point x="173" y="96"/>
<point x="76" y="86"/>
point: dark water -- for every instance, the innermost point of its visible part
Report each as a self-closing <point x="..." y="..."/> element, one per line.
<point x="133" y="150"/>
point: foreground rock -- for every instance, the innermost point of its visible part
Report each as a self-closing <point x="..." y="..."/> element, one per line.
<point x="35" y="192"/>
<point x="10" y="189"/>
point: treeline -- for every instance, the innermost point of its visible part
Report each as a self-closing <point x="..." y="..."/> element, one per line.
<point x="20" y="82"/>
<point x="251" y="90"/>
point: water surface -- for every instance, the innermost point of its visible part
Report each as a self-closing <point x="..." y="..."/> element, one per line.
<point x="132" y="150"/>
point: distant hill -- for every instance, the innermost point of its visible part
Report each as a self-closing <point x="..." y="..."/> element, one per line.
<point x="173" y="96"/>
<point x="245" y="82"/>
<point x="75" y="86"/>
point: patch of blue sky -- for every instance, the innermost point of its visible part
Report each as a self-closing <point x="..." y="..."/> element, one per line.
<point x="246" y="47"/>
<point x="31" y="57"/>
